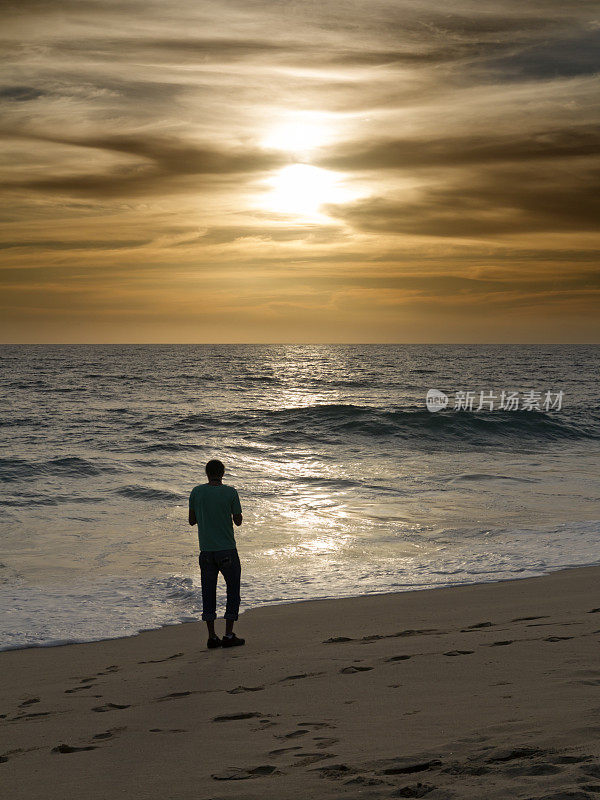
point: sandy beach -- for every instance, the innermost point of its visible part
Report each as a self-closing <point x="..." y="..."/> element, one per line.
<point x="482" y="691"/>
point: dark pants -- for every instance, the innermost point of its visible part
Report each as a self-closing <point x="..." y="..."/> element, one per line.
<point x="228" y="563"/>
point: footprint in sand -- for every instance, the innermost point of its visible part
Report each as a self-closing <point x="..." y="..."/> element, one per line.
<point x="414" y="790"/>
<point x="459" y="652"/>
<point x="476" y="627"/>
<point x="363" y="780"/>
<point x="351" y="669"/>
<point x="593" y="770"/>
<point x="108" y="670"/>
<point x="314" y="725"/>
<point x="79" y="689"/>
<point x="532" y="769"/>
<point x="107" y="734"/>
<point x="160" y="660"/>
<point x="66" y="748"/>
<point x="570" y="759"/>
<point x="293" y="734"/>
<point x="324" y="741"/>
<point x="310" y="758"/>
<point x="299" y="676"/>
<point x="398" y="658"/>
<point x="174" y="696"/>
<point x="240" y="689"/>
<point x="529" y="619"/>
<point x="168" y="730"/>
<point x="513" y="753"/>
<point x="338" y="640"/>
<point x="242" y="774"/>
<point x="406" y="768"/>
<point x="281" y="750"/>
<point x="31" y="716"/>
<point x="303" y="730"/>
<point x="551" y="624"/>
<point x="408" y="632"/>
<point x="29" y="702"/>
<point x="589" y="787"/>
<point x="558" y="638"/>
<point x="109" y="707"/>
<point x="232" y="717"/>
<point x="335" y="771"/>
<point x="501" y="644"/>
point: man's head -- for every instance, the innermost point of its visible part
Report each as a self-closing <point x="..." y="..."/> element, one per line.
<point x="215" y="470"/>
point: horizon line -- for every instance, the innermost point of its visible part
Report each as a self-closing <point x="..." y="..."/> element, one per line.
<point x="236" y="344"/>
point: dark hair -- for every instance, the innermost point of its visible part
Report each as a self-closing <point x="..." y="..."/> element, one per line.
<point x="215" y="469"/>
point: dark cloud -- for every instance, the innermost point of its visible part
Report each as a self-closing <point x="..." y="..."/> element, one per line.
<point x="163" y="159"/>
<point x="459" y="285"/>
<point x="20" y="94"/>
<point x="563" y="57"/>
<point x="179" y="49"/>
<point x="74" y="244"/>
<point x="450" y="151"/>
<point x="415" y="56"/>
<point x="487" y="204"/>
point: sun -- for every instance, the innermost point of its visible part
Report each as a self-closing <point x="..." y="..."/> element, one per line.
<point x="301" y="189"/>
<point x="300" y="134"/>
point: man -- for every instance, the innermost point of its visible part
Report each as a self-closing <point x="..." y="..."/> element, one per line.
<point x="213" y="506"/>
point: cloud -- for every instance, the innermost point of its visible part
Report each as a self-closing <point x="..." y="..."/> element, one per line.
<point x="20" y="94"/>
<point x="160" y="159"/>
<point x="448" y="151"/>
<point x="311" y="234"/>
<point x="561" y="56"/>
<point x="74" y="244"/>
<point x="178" y="49"/>
<point x="132" y="149"/>
<point x="486" y="203"/>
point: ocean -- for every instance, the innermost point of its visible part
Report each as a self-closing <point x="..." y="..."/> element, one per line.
<point x="349" y="484"/>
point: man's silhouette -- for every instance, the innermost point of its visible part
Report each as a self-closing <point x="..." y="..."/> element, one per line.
<point x="213" y="506"/>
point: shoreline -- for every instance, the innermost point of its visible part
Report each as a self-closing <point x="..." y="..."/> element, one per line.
<point x="269" y="604"/>
<point x="478" y="690"/>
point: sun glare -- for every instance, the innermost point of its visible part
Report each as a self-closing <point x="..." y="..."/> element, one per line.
<point x="300" y="134"/>
<point x="301" y="189"/>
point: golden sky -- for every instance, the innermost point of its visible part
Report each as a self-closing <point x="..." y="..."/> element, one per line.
<point x="268" y="171"/>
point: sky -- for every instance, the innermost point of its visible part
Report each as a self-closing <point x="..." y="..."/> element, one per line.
<point x="268" y="171"/>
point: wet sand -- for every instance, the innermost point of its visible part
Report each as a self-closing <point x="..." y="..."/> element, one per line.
<point x="486" y="691"/>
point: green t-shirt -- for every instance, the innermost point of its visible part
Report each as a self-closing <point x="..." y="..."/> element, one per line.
<point x="213" y="506"/>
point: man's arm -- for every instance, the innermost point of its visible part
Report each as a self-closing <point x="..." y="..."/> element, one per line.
<point x="192" y="514"/>
<point x="236" y="508"/>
